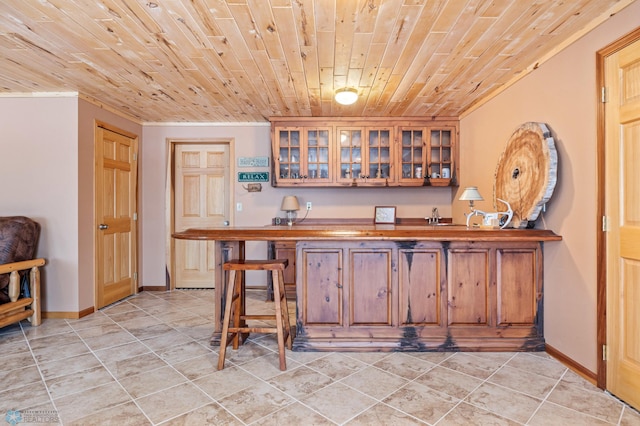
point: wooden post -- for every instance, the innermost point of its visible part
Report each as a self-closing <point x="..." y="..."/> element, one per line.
<point x="14" y="286"/>
<point x="34" y="279"/>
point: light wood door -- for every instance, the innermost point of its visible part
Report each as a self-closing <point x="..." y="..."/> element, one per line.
<point x="201" y="200"/>
<point x="622" y="206"/>
<point x="115" y="198"/>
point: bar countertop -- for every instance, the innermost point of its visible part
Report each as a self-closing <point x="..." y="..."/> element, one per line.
<point x="447" y="232"/>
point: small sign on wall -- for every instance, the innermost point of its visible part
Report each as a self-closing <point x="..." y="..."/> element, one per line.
<point x="253" y="177"/>
<point x="253" y="161"/>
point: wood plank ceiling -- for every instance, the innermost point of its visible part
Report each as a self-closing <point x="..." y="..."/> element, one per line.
<point x="247" y="60"/>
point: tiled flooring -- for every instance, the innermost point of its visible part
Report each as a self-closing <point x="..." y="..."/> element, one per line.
<point x="147" y="360"/>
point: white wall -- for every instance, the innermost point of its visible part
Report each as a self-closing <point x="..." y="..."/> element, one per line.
<point x="258" y="208"/>
<point x="39" y="175"/>
<point x="562" y="93"/>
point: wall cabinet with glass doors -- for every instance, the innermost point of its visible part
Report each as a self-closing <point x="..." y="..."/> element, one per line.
<point x="337" y="151"/>
<point x="365" y="156"/>
<point x="302" y="156"/>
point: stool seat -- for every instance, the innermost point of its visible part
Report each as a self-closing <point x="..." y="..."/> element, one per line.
<point x="234" y="309"/>
<point x="256" y="265"/>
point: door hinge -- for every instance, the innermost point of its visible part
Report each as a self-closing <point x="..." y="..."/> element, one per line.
<point x="135" y="276"/>
<point x="604" y="352"/>
<point x="605" y="224"/>
<point x="603" y="95"/>
<point x="135" y="216"/>
<point x="135" y="156"/>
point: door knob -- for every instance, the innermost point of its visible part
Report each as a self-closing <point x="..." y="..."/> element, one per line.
<point x="103" y="226"/>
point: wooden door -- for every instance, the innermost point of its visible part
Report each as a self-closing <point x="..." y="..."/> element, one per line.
<point x="622" y="205"/>
<point x="202" y="182"/>
<point x="115" y="202"/>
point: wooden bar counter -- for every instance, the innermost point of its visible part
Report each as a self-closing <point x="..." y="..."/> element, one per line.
<point x="405" y="288"/>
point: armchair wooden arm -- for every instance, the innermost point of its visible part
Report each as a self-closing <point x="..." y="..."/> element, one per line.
<point x="28" y="307"/>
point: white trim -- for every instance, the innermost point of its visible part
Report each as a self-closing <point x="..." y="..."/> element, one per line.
<point x="207" y="124"/>
<point x="39" y="95"/>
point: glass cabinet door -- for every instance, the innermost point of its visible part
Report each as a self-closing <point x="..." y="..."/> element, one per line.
<point x="318" y="155"/>
<point x="440" y="150"/>
<point x="378" y="154"/>
<point x="413" y="153"/>
<point x="350" y="152"/>
<point x="289" y="161"/>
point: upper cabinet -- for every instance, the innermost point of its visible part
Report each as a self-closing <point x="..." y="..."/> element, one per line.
<point x="337" y="151"/>
<point x="365" y="155"/>
<point x="303" y="156"/>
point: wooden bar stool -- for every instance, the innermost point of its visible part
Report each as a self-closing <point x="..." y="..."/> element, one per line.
<point x="235" y="305"/>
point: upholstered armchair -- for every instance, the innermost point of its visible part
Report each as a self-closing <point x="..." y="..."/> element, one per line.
<point x="19" y="296"/>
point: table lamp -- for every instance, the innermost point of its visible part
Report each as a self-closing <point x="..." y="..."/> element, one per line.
<point x="471" y="194"/>
<point x="290" y="205"/>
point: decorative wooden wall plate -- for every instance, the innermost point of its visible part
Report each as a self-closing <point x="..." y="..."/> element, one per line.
<point x="526" y="172"/>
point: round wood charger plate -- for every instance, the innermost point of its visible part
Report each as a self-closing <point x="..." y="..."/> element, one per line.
<point x="526" y="173"/>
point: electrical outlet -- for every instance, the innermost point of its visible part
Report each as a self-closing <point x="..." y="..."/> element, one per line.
<point x="308" y="205"/>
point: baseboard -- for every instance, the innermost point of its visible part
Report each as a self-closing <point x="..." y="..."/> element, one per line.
<point x="152" y="288"/>
<point x="68" y="315"/>
<point x="576" y="367"/>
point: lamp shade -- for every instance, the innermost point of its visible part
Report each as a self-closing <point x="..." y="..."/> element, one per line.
<point x="290" y="203"/>
<point x="346" y="96"/>
<point x="471" y="193"/>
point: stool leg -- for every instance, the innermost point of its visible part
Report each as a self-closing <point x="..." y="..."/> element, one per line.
<point x="278" y="295"/>
<point x="238" y="306"/>
<point x="227" y="317"/>
<point x="285" y="310"/>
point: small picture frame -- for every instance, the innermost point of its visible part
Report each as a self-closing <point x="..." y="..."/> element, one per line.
<point x="385" y="214"/>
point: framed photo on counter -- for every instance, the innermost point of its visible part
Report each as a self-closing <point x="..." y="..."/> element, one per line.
<point x="385" y="215"/>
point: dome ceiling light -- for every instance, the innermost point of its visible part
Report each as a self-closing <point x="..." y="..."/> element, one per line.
<point x="346" y="96"/>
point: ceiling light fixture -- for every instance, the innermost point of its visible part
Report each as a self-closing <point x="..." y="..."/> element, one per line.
<point x="346" y="96"/>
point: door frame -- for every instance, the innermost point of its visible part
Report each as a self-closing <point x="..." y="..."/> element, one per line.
<point x="601" y="245"/>
<point x="170" y="196"/>
<point x="134" y="229"/>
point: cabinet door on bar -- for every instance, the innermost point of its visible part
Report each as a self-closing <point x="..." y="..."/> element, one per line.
<point x="468" y="287"/>
<point x="517" y="286"/>
<point x="321" y="284"/>
<point x="370" y="294"/>
<point x="419" y="272"/>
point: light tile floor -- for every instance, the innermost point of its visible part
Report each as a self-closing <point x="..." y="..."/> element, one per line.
<point x="147" y="360"/>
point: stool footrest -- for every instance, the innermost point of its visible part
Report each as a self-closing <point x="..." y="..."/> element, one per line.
<point x="253" y="330"/>
<point x="258" y="317"/>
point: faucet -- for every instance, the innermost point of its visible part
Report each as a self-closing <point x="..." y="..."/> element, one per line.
<point x="435" y="216"/>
